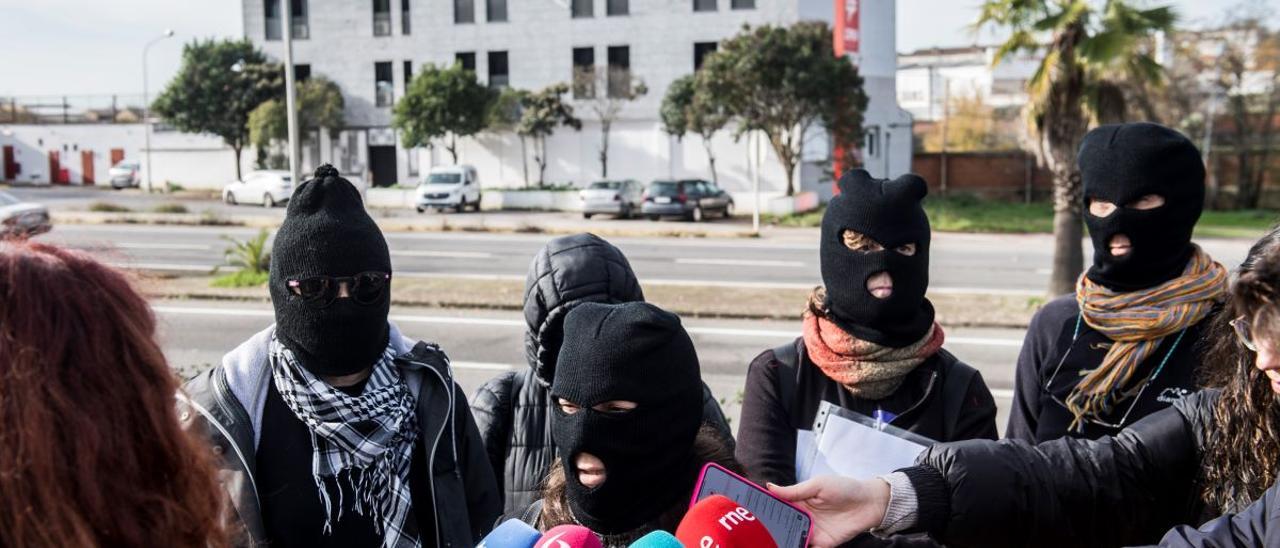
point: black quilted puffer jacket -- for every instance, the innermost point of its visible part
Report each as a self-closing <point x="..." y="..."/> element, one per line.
<point x="513" y="409"/>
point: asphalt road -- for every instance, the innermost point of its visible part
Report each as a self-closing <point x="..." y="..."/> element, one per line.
<point x="195" y="335"/>
<point x="1017" y="264"/>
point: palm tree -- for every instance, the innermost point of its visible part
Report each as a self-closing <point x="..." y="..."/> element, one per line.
<point x="1087" y="47"/>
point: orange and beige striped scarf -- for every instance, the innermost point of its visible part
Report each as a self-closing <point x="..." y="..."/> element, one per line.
<point x="1137" y="322"/>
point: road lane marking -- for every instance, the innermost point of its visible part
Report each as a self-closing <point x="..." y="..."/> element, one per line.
<point x="484" y="366"/>
<point x="443" y="254"/>
<point x="499" y="322"/>
<point x="1001" y="393"/>
<point x="174" y="247"/>
<point x="741" y="262"/>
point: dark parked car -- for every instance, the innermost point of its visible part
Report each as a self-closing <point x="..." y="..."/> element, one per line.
<point x="621" y="198"/>
<point x="692" y="199"/>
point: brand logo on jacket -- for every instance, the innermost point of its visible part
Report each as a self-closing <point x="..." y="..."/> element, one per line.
<point x="1173" y="395"/>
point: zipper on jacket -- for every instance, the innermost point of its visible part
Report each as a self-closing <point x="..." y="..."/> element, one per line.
<point x="233" y="406"/>
<point x="928" y="394"/>
<point x="431" y="458"/>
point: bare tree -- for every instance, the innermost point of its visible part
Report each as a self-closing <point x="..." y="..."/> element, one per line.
<point x="620" y="87"/>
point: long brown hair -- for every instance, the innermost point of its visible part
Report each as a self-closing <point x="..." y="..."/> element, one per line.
<point x="1242" y="444"/>
<point x="91" y="451"/>
<point x="708" y="446"/>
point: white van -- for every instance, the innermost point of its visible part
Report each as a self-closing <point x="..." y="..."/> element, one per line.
<point x="456" y="187"/>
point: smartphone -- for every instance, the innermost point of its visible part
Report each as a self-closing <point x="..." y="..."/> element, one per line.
<point x="788" y="524"/>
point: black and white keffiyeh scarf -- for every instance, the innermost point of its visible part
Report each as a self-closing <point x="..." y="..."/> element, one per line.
<point x="364" y="441"/>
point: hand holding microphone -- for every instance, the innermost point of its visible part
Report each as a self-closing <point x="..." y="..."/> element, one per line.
<point x="842" y="508"/>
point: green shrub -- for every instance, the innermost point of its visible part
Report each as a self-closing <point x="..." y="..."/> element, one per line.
<point x="108" y="207"/>
<point x="250" y="256"/>
<point x="242" y="278"/>
<point x="170" y="208"/>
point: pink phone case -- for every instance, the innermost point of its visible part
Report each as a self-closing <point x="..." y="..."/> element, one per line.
<point x="697" y="489"/>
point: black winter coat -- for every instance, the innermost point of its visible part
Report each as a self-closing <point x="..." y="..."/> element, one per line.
<point x="1114" y="491"/>
<point x="1255" y="526"/>
<point x="513" y="410"/>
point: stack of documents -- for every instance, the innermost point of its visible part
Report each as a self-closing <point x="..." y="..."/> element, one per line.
<point x="845" y="443"/>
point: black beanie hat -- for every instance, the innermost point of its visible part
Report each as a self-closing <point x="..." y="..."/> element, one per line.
<point x="326" y="232"/>
<point x="635" y="352"/>
<point x="1120" y="164"/>
<point x="889" y="212"/>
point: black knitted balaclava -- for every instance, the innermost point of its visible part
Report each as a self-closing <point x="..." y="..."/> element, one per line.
<point x="1122" y="163"/>
<point x="635" y="352"/>
<point x="326" y="231"/>
<point x="889" y="212"/>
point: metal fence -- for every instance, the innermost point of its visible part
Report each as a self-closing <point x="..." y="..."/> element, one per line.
<point x="72" y="109"/>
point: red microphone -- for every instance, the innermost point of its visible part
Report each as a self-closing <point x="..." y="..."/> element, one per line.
<point x="718" y="522"/>
<point x="569" y="536"/>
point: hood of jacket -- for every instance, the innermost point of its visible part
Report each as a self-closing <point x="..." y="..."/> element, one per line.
<point x="567" y="271"/>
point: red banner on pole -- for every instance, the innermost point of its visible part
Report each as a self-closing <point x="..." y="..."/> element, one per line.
<point x="845" y="41"/>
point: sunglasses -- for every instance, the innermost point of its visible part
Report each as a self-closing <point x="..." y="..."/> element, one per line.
<point x="365" y="288"/>
<point x="1244" y="332"/>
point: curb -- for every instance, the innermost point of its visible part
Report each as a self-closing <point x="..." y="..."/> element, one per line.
<point x="387" y="225"/>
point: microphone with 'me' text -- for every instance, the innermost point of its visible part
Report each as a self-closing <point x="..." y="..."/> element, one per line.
<point x="569" y="536"/>
<point x="719" y="522"/>
<point x="513" y="533"/>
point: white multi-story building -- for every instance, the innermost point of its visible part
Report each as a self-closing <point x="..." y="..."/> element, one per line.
<point x="372" y="48"/>
<point x="929" y="78"/>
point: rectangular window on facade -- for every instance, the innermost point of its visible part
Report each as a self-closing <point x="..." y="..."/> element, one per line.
<point x="405" y="20"/>
<point x="743" y="4"/>
<point x="700" y="52"/>
<point x="271" y="19"/>
<point x="408" y="73"/>
<point x="619" y="70"/>
<point x="617" y="7"/>
<point x="583" y="8"/>
<point x="467" y="59"/>
<point x="411" y="162"/>
<point x="382" y="17"/>
<point x="301" y="73"/>
<point x="704" y="5"/>
<point x="499" y="72"/>
<point x="464" y="11"/>
<point x="584" y="69"/>
<point x="495" y="11"/>
<point x="384" y="89"/>
<point x="298" y="14"/>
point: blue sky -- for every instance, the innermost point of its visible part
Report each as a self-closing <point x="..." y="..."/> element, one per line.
<point x="78" y="47"/>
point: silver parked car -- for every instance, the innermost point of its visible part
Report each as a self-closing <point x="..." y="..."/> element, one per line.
<point x="19" y="218"/>
<point x="692" y="199"/>
<point x="620" y="198"/>
<point x="125" y="174"/>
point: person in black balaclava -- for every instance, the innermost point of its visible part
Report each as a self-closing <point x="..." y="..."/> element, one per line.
<point x="331" y="412"/>
<point x="1125" y="344"/>
<point x="628" y="422"/>
<point x="870" y="342"/>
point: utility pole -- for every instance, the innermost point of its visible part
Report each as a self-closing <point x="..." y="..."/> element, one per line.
<point x="290" y="103"/>
<point x="146" y="105"/>
<point x="946" y="116"/>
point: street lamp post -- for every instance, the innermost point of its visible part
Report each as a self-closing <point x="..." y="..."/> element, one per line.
<point x="146" y="102"/>
<point x="290" y="103"/>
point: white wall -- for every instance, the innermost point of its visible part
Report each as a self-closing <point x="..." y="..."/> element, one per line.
<point x="194" y="161"/>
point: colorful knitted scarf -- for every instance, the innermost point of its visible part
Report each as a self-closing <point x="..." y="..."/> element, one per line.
<point x="1137" y="322"/>
<point x="868" y="370"/>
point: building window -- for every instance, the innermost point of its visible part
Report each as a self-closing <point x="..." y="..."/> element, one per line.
<point x="619" y="71"/>
<point x="383" y="89"/>
<point x="271" y="19"/>
<point x="700" y="52"/>
<point x="382" y="17"/>
<point x="872" y="139"/>
<point x="405" y="20"/>
<point x="704" y="5"/>
<point x="495" y="11"/>
<point x="617" y="7"/>
<point x="408" y="74"/>
<point x="411" y="157"/>
<point x="301" y="73"/>
<point x="499" y="75"/>
<point x="467" y="59"/>
<point x="743" y="4"/>
<point x="464" y="11"/>
<point x="298" y="14"/>
<point x="584" y="70"/>
<point x="583" y="8"/>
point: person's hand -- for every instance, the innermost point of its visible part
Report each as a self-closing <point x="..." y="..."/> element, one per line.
<point x="842" y="508"/>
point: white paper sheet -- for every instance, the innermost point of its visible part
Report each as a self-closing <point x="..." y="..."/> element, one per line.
<point x="851" y="449"/>
<point x="806" y="450"/>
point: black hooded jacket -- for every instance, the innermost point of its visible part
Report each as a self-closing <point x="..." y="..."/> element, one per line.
<point x="513" y="409"/>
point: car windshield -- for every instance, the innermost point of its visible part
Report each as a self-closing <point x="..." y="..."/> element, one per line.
<point x="664" y="188"/>
<point x="445" y="178"/>
<point x="606" y="185"/>
<point x="287" y="178"/>
<point x="7" y="199"/>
